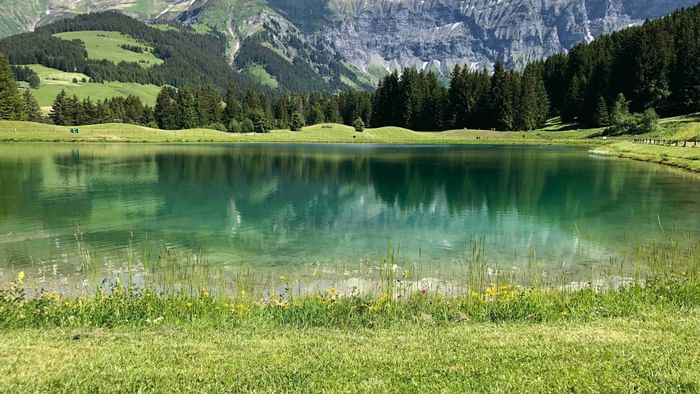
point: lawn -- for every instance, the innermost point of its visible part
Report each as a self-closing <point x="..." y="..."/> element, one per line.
<point x="53" y="81"/>
<point x="106" y="45"/>
<point x="651" y="354"/>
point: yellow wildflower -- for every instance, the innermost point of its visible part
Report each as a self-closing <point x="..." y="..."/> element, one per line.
<point x="20" y="277"/>
<point x="492" y="291"/>
<point x="189" y="305"/>
<point x="384" y="298"/>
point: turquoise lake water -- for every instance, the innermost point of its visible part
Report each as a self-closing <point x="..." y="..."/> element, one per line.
<point x="285" y="208"/>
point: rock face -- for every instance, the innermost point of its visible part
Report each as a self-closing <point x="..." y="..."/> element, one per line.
<point x="377" y="35"/>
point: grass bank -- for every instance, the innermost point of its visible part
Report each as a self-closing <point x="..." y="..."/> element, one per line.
<point x="681" y="157"/>
<point x="325" y="133"/>
<point x="496" y="337"/>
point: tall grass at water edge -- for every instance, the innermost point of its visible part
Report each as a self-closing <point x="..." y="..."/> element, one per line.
<point x="175" y="288"/>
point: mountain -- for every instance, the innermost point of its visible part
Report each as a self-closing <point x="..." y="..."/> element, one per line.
<point x="329" y="44"/>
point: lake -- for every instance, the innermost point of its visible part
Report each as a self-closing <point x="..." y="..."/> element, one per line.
<point x="319" y="210"/>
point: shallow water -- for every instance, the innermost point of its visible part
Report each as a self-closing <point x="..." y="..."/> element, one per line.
<point x="286" y="208"/>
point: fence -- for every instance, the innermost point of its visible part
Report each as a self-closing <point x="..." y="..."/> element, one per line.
<point x="664" y="142"/>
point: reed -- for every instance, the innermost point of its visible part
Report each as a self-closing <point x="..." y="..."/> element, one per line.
<point x="176" y="288"/>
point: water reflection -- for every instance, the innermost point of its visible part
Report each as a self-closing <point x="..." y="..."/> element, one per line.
<point x="281" y="206"/>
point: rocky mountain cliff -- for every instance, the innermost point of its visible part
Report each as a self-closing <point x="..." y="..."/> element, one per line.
<point x="383" y="34"/>
<point x="357" y="41"/>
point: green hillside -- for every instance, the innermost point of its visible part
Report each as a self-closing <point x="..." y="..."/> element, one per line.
<point x="53" y="81"/>
<point x="109" y="45"/>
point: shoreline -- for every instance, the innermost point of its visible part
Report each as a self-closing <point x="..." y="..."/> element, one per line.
<point x="15" y="132"/>
<point x="686" y="159"/>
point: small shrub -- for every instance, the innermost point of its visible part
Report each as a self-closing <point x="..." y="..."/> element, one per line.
<point x="234" y="126"/>
<point x="247" y="126"/>
<point x="359" y="125"/>
<point x="216" y="126"/>
<point x="649" y="121"/>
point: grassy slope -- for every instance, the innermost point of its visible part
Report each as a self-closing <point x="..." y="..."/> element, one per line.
<point x="681" y="157"/>
<point x="53" y="81"/>
<point x="654" y="353"/>
<point x="261" y="75"/>
<point x="26" y="131"/>
<point x="104" y="45"/>
<point x="678" y="128"/>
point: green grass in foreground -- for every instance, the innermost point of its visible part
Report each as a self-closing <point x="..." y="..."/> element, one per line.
<point x="26" y="131"/>
<point x="656" y="353"/>
<point x="505" y="340"/>
<point x="498" y="336"/>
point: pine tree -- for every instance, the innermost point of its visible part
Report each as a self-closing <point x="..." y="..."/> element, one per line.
<point x="10" y="100"/>
<point x="501" y="108"/>
<point x="103" y="113"/>
<point x="331" y="111"/>
<point x="186" y="109"/>
<point x="316" y="115"/>
<point x="30" y="108"/>
<point x="165" y="111"/>
<point x="621" y="121"/>
<point x="73" y="110"/>
<point x="59" y="114"/>
<point x="601" y="117"/>
<point x="297" y="122"/>
<point x="232" y="106"/>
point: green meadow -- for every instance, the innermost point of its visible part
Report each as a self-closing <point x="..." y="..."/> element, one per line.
<point x="328" y="133"/>
<point x="106" y="45"/>
<point x="53" y="81"/>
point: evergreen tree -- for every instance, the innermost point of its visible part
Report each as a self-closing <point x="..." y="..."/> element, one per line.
<point x="621" y="121"/>
<point x="166" y="111"/>
<point x="103" y="112"/>
<point x="186" y="109"/>
<point x="316" y="115"/>
<point x="501" y="108"/>
<point x="10" y="100"/>
<point x="34" y="81"/>
<point x="232" y="106"/>
<point x="60" y="114"/>
<point x="30" y="108"/>
<point x="208" y="102"/>
<point x="297" y="122"/>
<point x="601" y="117"/>
<point x="331" y="110"/>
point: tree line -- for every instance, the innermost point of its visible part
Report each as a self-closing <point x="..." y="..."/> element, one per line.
<point x="13" y="104"/>
<point x="619" y="81"/>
